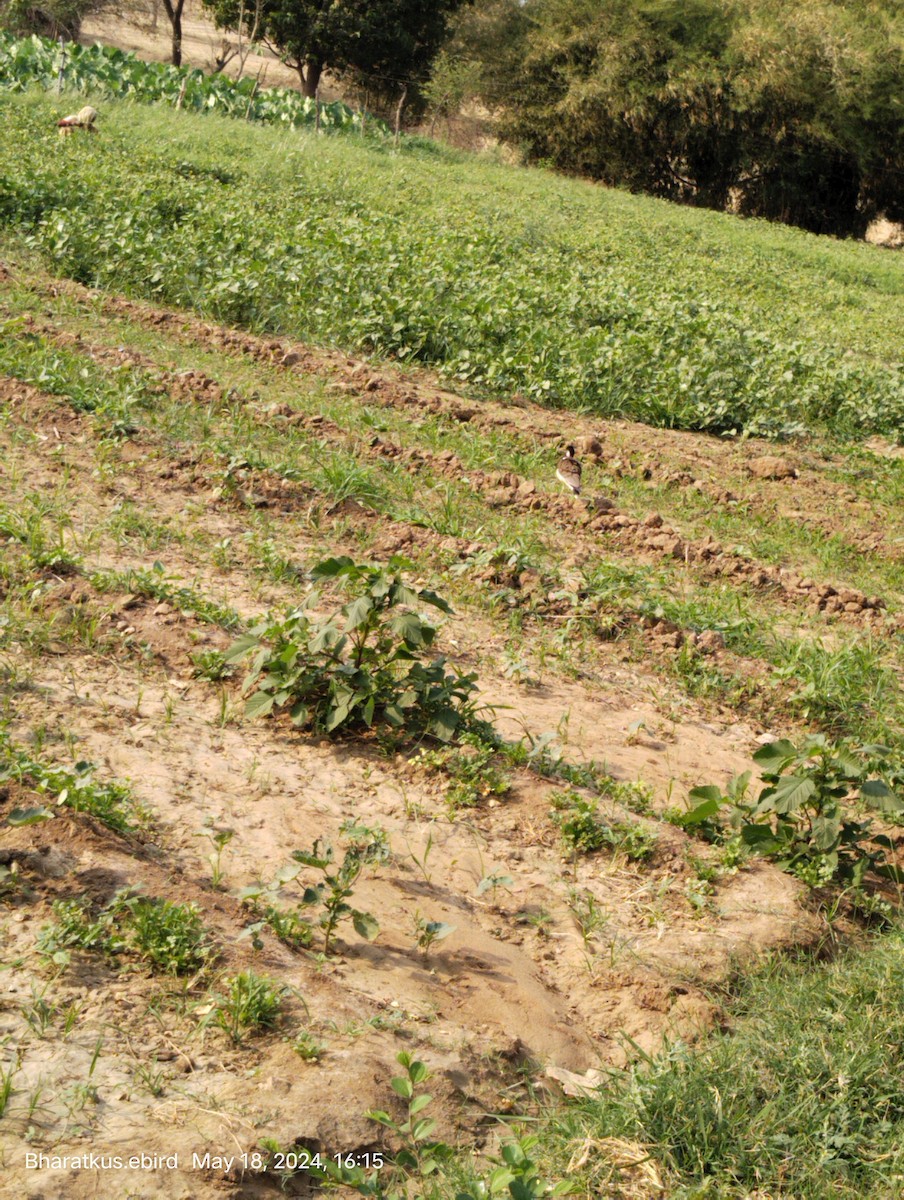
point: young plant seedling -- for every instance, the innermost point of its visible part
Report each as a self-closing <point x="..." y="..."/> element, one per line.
<point x="366" y="846"/>
<point x="428" y="932"/>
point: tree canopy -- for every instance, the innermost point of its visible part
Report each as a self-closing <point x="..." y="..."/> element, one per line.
<point x="389" y="44"/>
<point x="786" y="111"/>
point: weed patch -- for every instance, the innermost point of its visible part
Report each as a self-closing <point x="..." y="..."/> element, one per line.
<point x="111" y="803"/>
<point x="584" y="831"/>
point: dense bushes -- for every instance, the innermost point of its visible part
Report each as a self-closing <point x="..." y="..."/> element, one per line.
<point x="785" y="111"/>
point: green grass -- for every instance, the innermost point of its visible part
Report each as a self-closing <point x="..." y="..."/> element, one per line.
<point x="583" y="298"/>
<point x="802" y="1096"/>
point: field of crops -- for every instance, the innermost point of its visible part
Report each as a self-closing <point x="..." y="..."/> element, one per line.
<point x="505" y="280"/>
<point x="104" y="71"/>
<point x="515" y="862"/>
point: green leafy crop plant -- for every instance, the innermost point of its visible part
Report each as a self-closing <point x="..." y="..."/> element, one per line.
<point x="365" y="847"/>
<point x="812" y="814"/>
<point x="361" y="668"/>
<point x="114" y="74"/>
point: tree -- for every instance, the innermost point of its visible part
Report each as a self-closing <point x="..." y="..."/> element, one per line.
<point x="816" y="86"/>
<point x="486" y="38"/>
<point x="173" y="10"/>
<point x="389" y="44"/>
<point x="785" y="111"/>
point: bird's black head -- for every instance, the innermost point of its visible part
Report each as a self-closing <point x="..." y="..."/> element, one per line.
<point x="569" y="451"/>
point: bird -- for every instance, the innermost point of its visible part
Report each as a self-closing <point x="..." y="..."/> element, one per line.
<point x="83" y="119"/>
<point x="569" y="471"/>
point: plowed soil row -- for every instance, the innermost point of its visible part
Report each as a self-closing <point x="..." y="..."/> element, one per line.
<point x="650" y="537"/>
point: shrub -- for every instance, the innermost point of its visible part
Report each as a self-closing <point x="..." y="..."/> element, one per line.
<point x="361" y="667"/>
<point x="808" y="817"/>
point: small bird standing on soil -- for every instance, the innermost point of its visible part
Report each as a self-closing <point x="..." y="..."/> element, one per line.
<point x="569" y="471"/>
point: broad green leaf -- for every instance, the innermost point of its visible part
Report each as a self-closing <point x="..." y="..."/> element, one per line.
<point x="357" y="612"/>
<point x="774" y="753"/>
<point x="882" y="797"/>
<point x="707" y="791"/>
<point x="790" y="793"/>
<point x="418" y="1072"/>
<point x="825" y="831"/>
<point x="366" y="926"/>
<point x="423" y="1128"/>
<point x="425" y="596"/>
<point x="444" y="724"/>
<point x="439" y="930"/>
<point x="331" y="567"/>
<point x="402" y="1087"/>
<point x="409" y="627"/>
<point x="513" y="1154"/>
<point x="259" y="705"/>
<point x="383" y="1118"/>
<point x="760" y="838"/>
<point x="702" y="812"/>
<point x="240" y="647"/>
<point x="875" y="788"/>
<point x="29" y="816"/>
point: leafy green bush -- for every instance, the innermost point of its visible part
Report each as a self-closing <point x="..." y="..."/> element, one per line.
<point x="808" y="817"/>
<point x="366" y="846"/>
<point x="74" y="927"/>
<point x="421" y="1158"/>
<point x="360" y="668"/>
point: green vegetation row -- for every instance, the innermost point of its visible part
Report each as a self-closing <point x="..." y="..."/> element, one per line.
<point x="695" y="321"/>
<point x="104" y="71"/>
